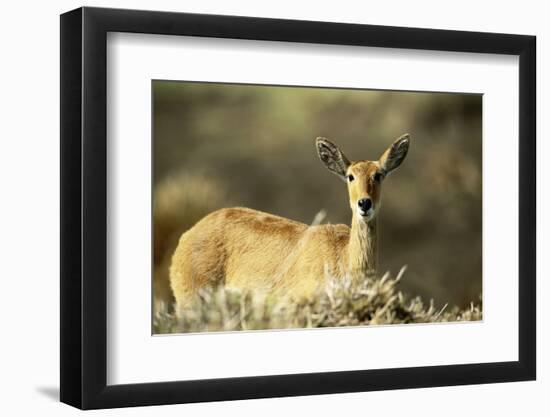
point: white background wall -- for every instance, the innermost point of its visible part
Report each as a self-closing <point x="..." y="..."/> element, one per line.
<point x="29" y="226"/>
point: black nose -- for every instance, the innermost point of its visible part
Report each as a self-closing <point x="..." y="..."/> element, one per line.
<point x="365" y="204"/>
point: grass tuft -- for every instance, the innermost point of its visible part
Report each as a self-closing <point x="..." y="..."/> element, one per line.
<point x="374" y="301"/>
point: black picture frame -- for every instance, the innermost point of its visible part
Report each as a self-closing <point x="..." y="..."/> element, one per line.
<point x="84" y="207"/>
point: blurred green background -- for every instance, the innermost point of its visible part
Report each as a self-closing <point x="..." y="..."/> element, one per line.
<point x="223" y="145"/>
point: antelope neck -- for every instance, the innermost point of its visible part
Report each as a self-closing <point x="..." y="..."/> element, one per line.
<point x="363" y="247"/>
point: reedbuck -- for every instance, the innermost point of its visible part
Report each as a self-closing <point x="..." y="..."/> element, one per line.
<point x="251" y="250"/>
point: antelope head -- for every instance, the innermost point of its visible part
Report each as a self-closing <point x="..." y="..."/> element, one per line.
<point x="364" y="178"/>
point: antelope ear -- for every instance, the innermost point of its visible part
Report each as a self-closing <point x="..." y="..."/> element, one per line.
<point x="333" y="158"/>
<point x="395" y="154"/>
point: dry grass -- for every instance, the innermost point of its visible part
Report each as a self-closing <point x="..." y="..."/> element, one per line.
<point x="371" y="302"/>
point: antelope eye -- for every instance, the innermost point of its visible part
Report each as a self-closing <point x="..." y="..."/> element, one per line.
<point x="351" y="178"/>
<point x="378" y="177"/>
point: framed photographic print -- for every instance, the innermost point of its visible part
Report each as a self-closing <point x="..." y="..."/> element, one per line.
<point x="258" y="207"/>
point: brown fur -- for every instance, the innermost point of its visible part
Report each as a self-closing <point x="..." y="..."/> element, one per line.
<point x="251" y="250"/>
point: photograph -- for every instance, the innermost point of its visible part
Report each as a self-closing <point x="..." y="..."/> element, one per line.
<point x="272" y="205"/>
<point x="290" y="207"/>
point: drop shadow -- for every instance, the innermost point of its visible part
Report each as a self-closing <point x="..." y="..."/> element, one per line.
<point x="50" y="392"/>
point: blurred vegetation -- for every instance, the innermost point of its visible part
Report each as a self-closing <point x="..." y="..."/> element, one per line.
<point x="223" y="145"/>
<point x="341" y="303"/>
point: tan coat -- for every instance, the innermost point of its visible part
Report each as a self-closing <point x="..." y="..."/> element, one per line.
<point x="255" y="251"/>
